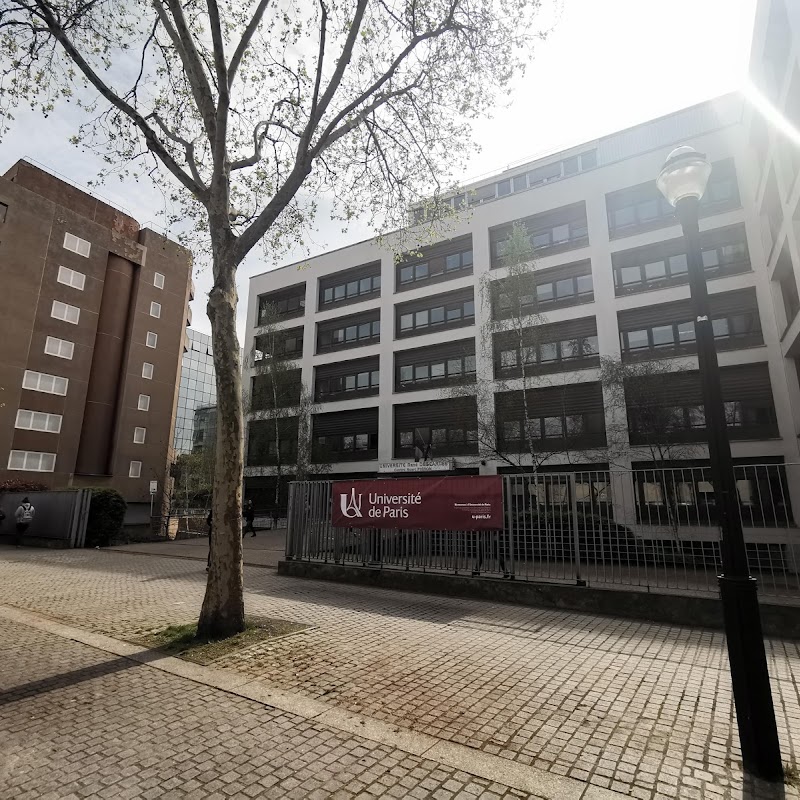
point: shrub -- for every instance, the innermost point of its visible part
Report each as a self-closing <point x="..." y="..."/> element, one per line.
<point x="17" y="485"/>
<point x="106" y="513"/>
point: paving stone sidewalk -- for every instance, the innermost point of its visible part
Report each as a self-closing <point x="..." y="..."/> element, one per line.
<point x="78" y="723"/>
<point x="642" y="709"/>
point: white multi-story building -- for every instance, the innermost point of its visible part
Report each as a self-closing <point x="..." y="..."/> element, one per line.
<point x="376" y="340"/>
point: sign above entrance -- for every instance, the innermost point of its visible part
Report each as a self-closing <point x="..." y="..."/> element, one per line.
<point x="434" y="465"/>
<point x="466" y="503"/>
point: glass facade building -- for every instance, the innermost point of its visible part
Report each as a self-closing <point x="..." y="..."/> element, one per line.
<point x="197" y="395"/>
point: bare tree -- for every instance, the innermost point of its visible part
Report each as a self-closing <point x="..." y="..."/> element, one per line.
<point x="254" y="109"/>
<point x="514" y="338"/>
<point x="647" y="423"/>
<point x="281" y="405"/>
<point x="639" y="392"/>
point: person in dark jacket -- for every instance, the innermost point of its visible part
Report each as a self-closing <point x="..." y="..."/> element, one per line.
<point x="249" y="515"/>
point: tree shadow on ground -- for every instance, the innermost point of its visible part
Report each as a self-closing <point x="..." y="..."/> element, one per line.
<point x="75" y="677"/>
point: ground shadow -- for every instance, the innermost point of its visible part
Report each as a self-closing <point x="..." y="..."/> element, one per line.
<point x="75" y="677"/>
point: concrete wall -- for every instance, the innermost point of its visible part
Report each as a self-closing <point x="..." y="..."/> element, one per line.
<point x="700" y="612"/>
<point x="53" y="521"/>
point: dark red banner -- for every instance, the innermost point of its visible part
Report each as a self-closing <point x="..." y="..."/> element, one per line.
<point x="445" y="504"/>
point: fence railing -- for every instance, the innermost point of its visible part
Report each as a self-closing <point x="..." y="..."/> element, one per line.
<point x="653" y="528"/>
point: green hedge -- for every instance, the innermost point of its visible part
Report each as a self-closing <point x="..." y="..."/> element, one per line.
<point x="106" y="514"/>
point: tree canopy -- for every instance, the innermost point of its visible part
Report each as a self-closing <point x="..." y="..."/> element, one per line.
<point x="252" y="110"/>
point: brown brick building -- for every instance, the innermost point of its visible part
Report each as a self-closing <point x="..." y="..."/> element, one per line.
<point x="93" y="313"/>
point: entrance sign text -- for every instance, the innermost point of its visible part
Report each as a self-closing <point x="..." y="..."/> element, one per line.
<point x="449" y="504"/>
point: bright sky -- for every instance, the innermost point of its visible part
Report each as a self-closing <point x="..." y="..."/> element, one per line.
<point x="607" y="65"/>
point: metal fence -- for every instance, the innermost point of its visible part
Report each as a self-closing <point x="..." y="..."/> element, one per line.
<point x="651" y="528"/>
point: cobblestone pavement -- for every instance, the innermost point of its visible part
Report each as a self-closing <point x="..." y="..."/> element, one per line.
<point x="642" y="709"/>
<point x="76" y="722"/>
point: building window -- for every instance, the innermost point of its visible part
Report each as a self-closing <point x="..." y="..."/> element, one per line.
<point x="547" y="353"/>
<point x="144" y="402"/>
<point x="548" y="428"/>
<point x="41" y="382"/>
<point x="280" y="344"/>
<point x="77" y="245"/>
<point x="559" y="291"/>
<point x="442" y="437"/>
<point x="363" y="332"/>
<point x="284" y="305"/>
<point x="152" y="339"/>
<point x="350" y="289"/>
<point x="31" y="462"/>
<point x="724" y="251"/>
<point x="643" y="206"/>
<point x="158" y="280"/>
<point x="458" y="312"/>
<point x="155" y="310"/>
<point x="70" y="277"/>
<point x="147" y="370"/>
<point x="65" y="312"/>
<point x="3" y="212"/>
<point x="670" y="336"/>
<point x="60" y="348"/>
<point x="138" y="435"/>
<point x="135" y="469"/>
<point x="361" y="381"/>
<point x="436" y="369"/>
<point x="449" y="265"/>
<point x="348" y="443"/>
<point x="38" y="421"/>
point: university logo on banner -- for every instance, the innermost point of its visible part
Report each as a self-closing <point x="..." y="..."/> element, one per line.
<point x="452" y="503"/>
<point x="350" y="504"/>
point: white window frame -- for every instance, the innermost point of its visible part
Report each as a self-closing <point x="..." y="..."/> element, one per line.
<point x="29" y="455"/>
<point x="144" y="402"/>
<point x="145" y="370"/>
<point x="158" y="280"/>
<point x="33" y="382"/>
<point x="71" y="277"/>
<point x="67" y="308"/>
<point x="37" y="421"/>
<point x="135" y="469"/>
<point x="154" y="340"/>
<point x="77" y="245"/>
<point x="139" y="435"/>
<point x="155" y="309"/>
<point x="53" y="346"/>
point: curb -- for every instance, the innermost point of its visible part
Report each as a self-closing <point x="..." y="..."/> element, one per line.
<point x="539" y="783"/>
<point x="173" y="555"/>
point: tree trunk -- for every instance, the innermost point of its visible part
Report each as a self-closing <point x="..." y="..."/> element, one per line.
<point x="222" y="613"/>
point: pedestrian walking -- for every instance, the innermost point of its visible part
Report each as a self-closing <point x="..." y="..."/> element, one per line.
<point x="249" y="517"/>
<point x="210" y="523"/>
<point x="24" y="516"/>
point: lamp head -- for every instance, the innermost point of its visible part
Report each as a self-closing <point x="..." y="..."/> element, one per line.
<point x="685" y="174"/>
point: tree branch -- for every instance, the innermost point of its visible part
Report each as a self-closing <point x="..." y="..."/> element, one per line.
<point x="244" y="42"/>
<point x="153" y="143"/>
<point x="187" y="146"/>
<point x="183" y="41"/>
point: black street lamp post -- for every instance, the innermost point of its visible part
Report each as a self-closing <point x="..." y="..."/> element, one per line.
<point x="683" y="181"/>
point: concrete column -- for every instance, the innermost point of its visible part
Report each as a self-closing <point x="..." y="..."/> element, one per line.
<point x="385" y="408"/>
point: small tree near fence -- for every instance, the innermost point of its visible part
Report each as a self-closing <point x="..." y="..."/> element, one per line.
<point x="514" y="338"/>
<point x="647" y="425"/>
<point x="280" y="410"/>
